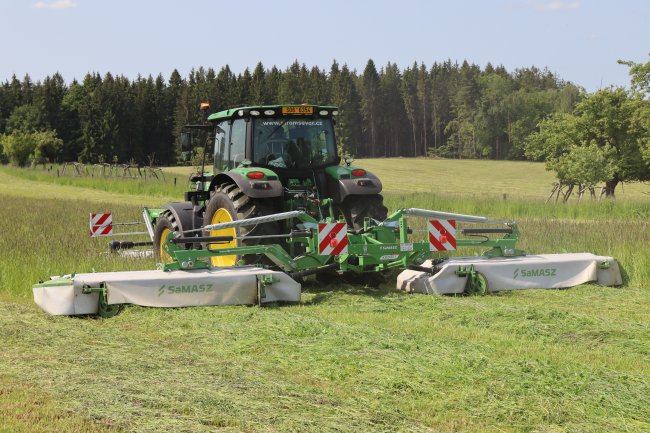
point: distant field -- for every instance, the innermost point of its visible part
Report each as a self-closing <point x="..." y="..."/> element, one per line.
<point x="518" y="179"/>
<point x="347" y="358"/>
<point x="446" y="177"/>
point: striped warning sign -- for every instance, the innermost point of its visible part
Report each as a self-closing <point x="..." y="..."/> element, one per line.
<point x="442" y="235"/>
<point x="101" y="224"/>
<point x="332" y="239"/>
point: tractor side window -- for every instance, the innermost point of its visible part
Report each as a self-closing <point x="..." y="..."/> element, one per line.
<point x="237" y="143"/>
<point x="220" y="140"/>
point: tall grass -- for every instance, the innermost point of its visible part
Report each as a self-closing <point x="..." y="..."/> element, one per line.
<point x="172" y="186"/>
<point x="50" y="236"/>
<point x="518" y="209"/>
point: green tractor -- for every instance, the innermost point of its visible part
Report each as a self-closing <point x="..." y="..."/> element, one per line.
<point x="267" y="160"/>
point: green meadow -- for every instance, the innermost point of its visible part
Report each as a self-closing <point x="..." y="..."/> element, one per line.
<point x="346" y="358"/>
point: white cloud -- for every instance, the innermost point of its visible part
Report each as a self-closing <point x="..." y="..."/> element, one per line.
<point x="56" y="4"/>
<point x="557" y="5"/>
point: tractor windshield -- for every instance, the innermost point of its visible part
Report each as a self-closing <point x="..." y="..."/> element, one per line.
<point x="289" y="142"/>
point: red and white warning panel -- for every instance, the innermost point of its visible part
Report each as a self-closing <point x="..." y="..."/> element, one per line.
<point x="442" y="235"/>
<point x="332" y="239"/>
<point x="101" y="224"/>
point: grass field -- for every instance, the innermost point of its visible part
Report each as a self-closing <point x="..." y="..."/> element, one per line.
<point x="347" y="358"/>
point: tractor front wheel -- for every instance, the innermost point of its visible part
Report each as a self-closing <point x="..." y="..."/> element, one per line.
<point x="229" y="203"/>
<point x="221" y="209"/>
<point x="165" y="224"/>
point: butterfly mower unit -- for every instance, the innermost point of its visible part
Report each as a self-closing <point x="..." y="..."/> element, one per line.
<point x="277" y="208"/>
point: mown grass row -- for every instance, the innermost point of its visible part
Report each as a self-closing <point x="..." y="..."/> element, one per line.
<point x="349" y="359"/>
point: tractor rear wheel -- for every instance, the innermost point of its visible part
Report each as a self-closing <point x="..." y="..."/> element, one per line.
<point x="165" y="224"/>
<point x="229" y="203"/>
<point x="356" y="208"/>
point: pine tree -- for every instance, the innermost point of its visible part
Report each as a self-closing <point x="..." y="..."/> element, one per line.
<point x="371" y="106"/>
<point x="346" y="98"/>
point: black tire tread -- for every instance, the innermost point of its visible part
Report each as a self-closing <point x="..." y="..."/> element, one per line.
<point x="246" y="208"/>
<point x="165" y="220"/>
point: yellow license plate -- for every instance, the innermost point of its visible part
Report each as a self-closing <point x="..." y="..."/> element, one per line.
<point x="302" y="109"/>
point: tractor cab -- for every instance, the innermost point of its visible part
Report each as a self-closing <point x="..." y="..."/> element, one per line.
<point x="285" y="139"/>
<point x="293" y="143"/>
<point x="270" y="159"/>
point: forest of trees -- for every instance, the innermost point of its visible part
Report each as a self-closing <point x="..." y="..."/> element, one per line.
<point x="449" y="109"/>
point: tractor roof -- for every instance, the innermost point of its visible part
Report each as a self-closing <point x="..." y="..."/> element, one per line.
<point x="235" y="112"/>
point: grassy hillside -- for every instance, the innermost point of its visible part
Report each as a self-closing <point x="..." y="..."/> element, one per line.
<point x="517" y="179"/>
<point x="347" y="358"/>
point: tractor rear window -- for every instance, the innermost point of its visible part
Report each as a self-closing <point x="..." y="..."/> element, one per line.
<point x="293" y="142"/>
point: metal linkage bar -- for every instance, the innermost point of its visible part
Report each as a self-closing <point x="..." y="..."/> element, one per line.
<point x="147" y="222"/>
<point x="424" y="213"/>
<point x="251" y="221"/>
<point x="485" y="231"/>
<point x="123" y="234"/>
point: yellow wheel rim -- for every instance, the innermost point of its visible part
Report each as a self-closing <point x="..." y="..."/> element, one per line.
<point x="223" y="216"/>
<point x="164" y="257"/>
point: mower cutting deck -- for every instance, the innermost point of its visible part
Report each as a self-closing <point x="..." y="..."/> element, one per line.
<point x="101" y="293"/>
<point x="327" y="246"/>
<point x="483" y="275"/>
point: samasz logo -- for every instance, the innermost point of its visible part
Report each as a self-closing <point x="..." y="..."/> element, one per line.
<point x="190" y="288"/>
<point x="535" y="272"/>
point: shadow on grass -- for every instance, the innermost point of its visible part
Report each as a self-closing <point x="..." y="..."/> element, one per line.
<point x="624" y="275"/>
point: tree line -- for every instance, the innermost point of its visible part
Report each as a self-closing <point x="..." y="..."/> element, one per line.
<point x="448" y="110"/>
<point x="604" y="139"/>
<point x="453" y="110"/>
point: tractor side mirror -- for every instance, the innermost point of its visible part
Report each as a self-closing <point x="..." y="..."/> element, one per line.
<point x="186" y="140"/>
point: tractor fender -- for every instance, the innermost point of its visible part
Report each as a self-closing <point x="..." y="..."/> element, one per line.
<point x="251" y="188"/>
<point x="185" y="214"/>
<point x="366" y="185"/>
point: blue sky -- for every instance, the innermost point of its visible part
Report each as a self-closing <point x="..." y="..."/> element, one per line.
<point x="580" y="40"/>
